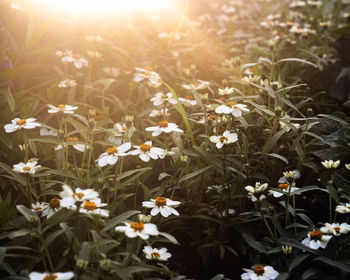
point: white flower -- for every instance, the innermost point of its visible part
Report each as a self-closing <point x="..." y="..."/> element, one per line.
<point x="162" y="205"/>
<point x="39" y="206"/>
<point x="68" y="57"/>
<point x="67" y="83"/>
<point x="160" y="98"/>
<point x="78" y="146"/>
<point x="217" y="188"/>
<point x="259" y="272"/>
<point x="225" y="91"/>
<point x="93" y="207"/>
<point x="343" y="208"/>
<point x="146" y="151"/>
<point x="94" y="38"/>
<point x="232" y="108"/>
<point x="142" y="230"/>
<point x="156" y="254"/>
<point x="188" y="100"/>
<point x="61" y="108"/>
<point x="284" y="187"/>
<point x="293" y="174"/>
<point x="316" y="239"/>
<point x="197" y="86"/>
<point x="111" y="71"/>
<point x="165" y="127"/>
<point x="78" y="194"/>
<point x="335" y="228"/>
<point x="28" y="168"/>
<point x="94" y="54"/>
<point x="18" y="123"/>
<point x="47" y="132"/>
<point x="285" y="122"/>
<point x="167" y="153"/>
<point x="347" y="166"/>
<point x="153" y="78"/>
<point x="159" y="113"/>
<point x="330" y="163"/>
<point x="51" y="276"/>
<point x="56" y="204"/>
<point x="257" y="189"/>
<point x="112" y="153"/>
<point x="226" y="138"/>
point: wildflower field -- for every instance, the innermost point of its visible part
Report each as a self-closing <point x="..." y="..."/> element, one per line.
<point x="175" y="139"/>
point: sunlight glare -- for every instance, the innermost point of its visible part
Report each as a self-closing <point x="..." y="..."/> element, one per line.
<point x="103" y="7"/>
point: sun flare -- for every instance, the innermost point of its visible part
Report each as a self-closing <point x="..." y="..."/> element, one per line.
<point x="101" y="7"/>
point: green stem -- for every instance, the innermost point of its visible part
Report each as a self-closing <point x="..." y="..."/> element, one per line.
<point x="268" y="226"/>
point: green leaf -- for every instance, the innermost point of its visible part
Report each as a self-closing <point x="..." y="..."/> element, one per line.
<point x="297" y="60"/>
<point x="171" y="238"/>
<point x="340" y="265"/>
<point x="194" y="174"/>
<point x="9" y="98"/>
<point x="28" y="214"/>
<point x="84" y="252"/>
<point x="296" y="244"/>
<point x="254" y="244"/>
<point x="271" y="142"/>
<point x="333" y="118"/>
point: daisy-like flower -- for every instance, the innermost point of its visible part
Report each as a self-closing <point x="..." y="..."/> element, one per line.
<point x="162" y="205"/>
<point x="138" y="229"/>
<point x="293" y="174"/>
<point x="197" y="86"/>
<point x="188" y="100"/>
<point x="147" y="73"/>
<point x="233" y="108"/>
<point x="255" y="191"/>
<point x="78" y="194"/>
<point x="112" y="153"/>
<point x="18" y="123"/>
<point x="316" y="239"/>
<point x="145" y="151"/>
<point x="160" y="98"/>
<point x="47" y="132"/>
<point x="159" y="113"/>
<point x="61" y="108"/>
<point x="260" y="272"/>
<point x="283" y="186"/>
<point x="165" y="127"/>
<point x="78" y="146"/>
<point x="111" y="71"/>
<point x="94" y="54"/>
<point x="68" y="57"/>
<point x="39" y="206"/>
<point x="27" y="168"/>
<point x="56" y="204"/>
<point x="93" y="206"/>
<point x="67" y="83"/>
<point x="51" y="276"/>
<point x="343" y="208"/>
<point x="225" y="91"/>
<point x="226" y="138"/>
<point x="329" y="164"/>
<point x="335" y="228"/>
<point x="156" y="254"/>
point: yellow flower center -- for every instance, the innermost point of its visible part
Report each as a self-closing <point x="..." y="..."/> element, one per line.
<point x="21" y="122"/>
<point x="231" y="104"/>
<point x="163" y="124"/>
<point x="148" y="68"/>
<point x="337" y="229"/>
<point x="145" y="147"/>
<point x="78" y="195"/>
<point x="213" y="117"/>
<point x="137" y="226"/>
<point x="283" y="186"/>
<point x="160" y="201"/>
<point x="112" y="150"/>
<point x="259" y="270"/>
<point x="155" y="255"/>
<point x="316" y="235"/>
<point x="196" y="85"/>
<point x="26" y="168"/>
<point x="37" y="209"/>
<point x="223" y="138"/>
<point x="54" y="203"/>
<point x="164" y="96"/>
<point x="50" y="277"/>
<point x="61" y="106"/>
<point x="188" y="97"/>
<point x="72" y="139"/>
<point x="124" y="128"/>
<point x="90" y="206"/>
